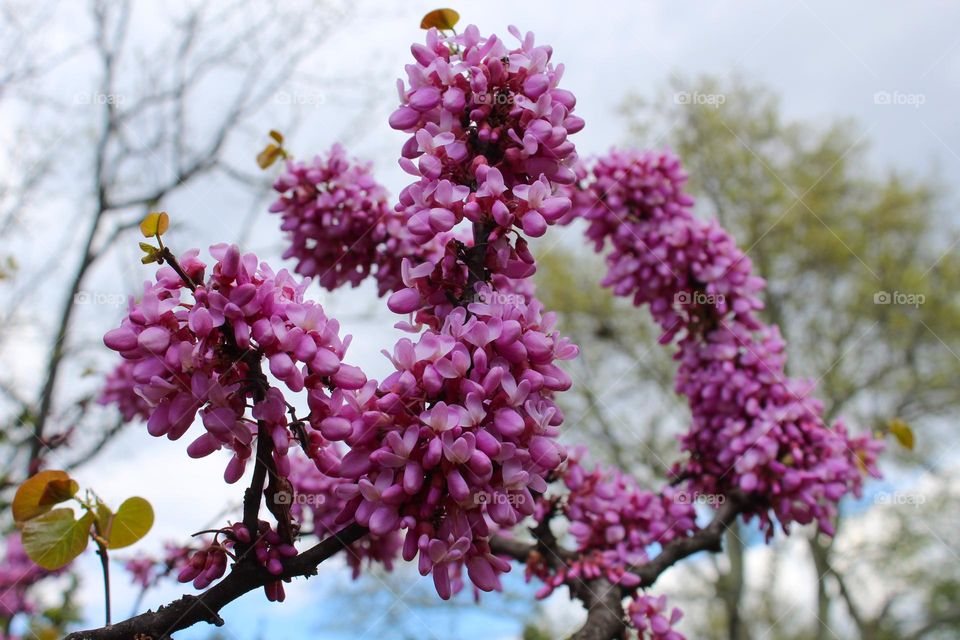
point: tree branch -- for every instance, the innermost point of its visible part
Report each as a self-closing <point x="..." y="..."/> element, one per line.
<point x="710" y="538"/>
<point x="107" y="51"/>
<point x="605" y="619"/>
<point x="243" y="578"/>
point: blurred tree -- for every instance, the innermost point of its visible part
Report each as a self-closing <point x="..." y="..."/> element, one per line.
<point x="861" y="273"/>
<point x="158" y="110"/>
<point x="152" y="97"/>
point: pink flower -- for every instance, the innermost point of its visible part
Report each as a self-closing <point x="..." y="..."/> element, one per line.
<point x="18" y="574"/>
<point x="649" y="616"/>
<point x="333" y="211"/>
<point x="474" y="118"/>
<point x="118" y="389"/>
<point x="614" y="523"/>
<point x="753" y="428"/>
<point x="458" y="438"/>
<point x="194" y="353"/>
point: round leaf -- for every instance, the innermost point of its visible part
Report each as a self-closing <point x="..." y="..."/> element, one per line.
<point x="155" y="224"/>
<point x="54" y="539"/>
<point x="442" y="19"/>
<point x="40" y="492"/>
<point x="131" y="522"/>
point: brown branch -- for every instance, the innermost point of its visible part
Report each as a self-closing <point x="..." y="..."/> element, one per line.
<point x="243" y="578"/>
<point x="107" y="51"/>
<point x="97" y="448"/>
<point x="511" y="547"/>
<point x="475" y="259"/>
<point x="110" y="22"/>
<point x="605" y="619"/>
<point x="710" y="538"/>
<point x="602" y="599"/>
<point x="262" y="463"/>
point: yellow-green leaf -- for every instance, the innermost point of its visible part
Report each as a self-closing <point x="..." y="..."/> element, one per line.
<point x="155" y="224"/>
<point x="104" y="516"/>
<point x="40" y="492"/>
<point x="54" y="539"/>
<point x="903" y="433"/>
<point x="131" y="522"/>
<point x="276" y="135"/>
<point x="150" y="253"/>
<point x="269" y="155"/>
<point x="442" y="19"/>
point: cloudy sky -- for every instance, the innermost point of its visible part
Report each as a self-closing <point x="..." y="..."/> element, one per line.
<point x="891" y="66"/>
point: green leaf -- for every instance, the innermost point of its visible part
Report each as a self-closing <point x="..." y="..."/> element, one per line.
<point x="150" y="253"/>
<point x="131" y="522"/>
<point x="903" y="433"/>
<point x="443" y="19"/>
<point x="54" y="539"/>
<point x="155" y="224"/>
<point x="40" y="492"/>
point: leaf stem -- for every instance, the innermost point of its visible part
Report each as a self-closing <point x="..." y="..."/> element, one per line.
<point x="105" y="565"/>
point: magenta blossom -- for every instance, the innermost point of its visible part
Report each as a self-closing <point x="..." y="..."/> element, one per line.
<point x="194" y="355"/>
<point x="753" y="428"/>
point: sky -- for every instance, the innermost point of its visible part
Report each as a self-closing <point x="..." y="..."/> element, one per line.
<point x="891" y="66"/>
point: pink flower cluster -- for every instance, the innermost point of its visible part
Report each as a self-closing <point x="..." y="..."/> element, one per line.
<point x="456" y="442"/>
<point x="18" y="573"/>
<point x="489" y="134"/>
<point x="146" y="570"/>
<point x="689" y="271"/>
<point x="460" y="441"/>
<point x="210" y="563"/>
<point x="649" y="616"/>
<point x="459" y="437"/>
<point x="753" y="428"/>
<point x="118" y="390"/>
<point x="434" y="287"/>
<point x="202" y="354"/>
<point x="316" y="506"/>
<point x="614" y="523"/>
<point x="339" y="222"/>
